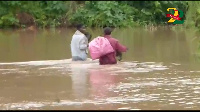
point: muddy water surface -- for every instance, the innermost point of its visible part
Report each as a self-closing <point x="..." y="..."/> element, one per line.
<point x="158" y="72"/>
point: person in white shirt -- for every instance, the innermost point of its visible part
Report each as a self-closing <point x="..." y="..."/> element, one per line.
<point x="79" y="44"/>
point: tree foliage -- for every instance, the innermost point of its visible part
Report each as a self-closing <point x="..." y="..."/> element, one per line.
<point x="92" y="13"/>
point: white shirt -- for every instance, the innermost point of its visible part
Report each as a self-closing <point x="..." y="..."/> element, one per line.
<point x="79" y="44"/>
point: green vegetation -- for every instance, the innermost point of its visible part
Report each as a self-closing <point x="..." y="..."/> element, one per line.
<point x="94" y="13"/>
<point x="103" y="13"/>
<point x="154" y="12"/>
<point x="193" y="15"/>
<point x="44" y="13"/>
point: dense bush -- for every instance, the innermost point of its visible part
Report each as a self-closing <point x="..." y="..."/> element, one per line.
<point x="93" y="13"/>
<point x="154" y="12"/>
<point x="104" y="13"/>
<point x="45" y="13"/>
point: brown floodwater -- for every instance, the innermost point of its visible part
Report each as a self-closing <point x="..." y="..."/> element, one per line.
<point x="159" y="72"/>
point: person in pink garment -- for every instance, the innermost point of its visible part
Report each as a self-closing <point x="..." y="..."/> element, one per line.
<point x="119" y="48"/>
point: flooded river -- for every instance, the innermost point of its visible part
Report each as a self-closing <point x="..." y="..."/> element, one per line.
<point x="160" y="71"/>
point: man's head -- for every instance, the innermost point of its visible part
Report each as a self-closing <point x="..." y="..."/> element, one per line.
<point x="107" y="31"/>
<point x="81" y="28"/>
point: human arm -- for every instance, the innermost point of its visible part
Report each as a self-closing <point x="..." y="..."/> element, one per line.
<point x="83" y="44"/>
<point x="120" y="47"/>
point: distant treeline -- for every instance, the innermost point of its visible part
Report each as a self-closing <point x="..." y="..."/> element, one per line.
<point x="94" y="13"/>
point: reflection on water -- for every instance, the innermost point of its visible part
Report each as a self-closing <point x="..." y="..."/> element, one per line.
<point x="158" y="72"/>
<point x="101" y="86"/>
<point x="100" y="80"/>
<point x="79" y="80"/>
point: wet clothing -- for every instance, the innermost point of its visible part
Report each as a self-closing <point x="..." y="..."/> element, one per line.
<point x="79" y="45"/>
<point x="110" y="58"/>
<point x="76" y="58"/>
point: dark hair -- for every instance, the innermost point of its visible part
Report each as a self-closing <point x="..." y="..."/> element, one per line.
<point x="79" y="26"/>
<point x="107" y="31"/>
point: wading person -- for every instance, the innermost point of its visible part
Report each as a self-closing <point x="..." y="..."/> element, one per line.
<point x="79" y="44"/>
<point x="118" y="49"/>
